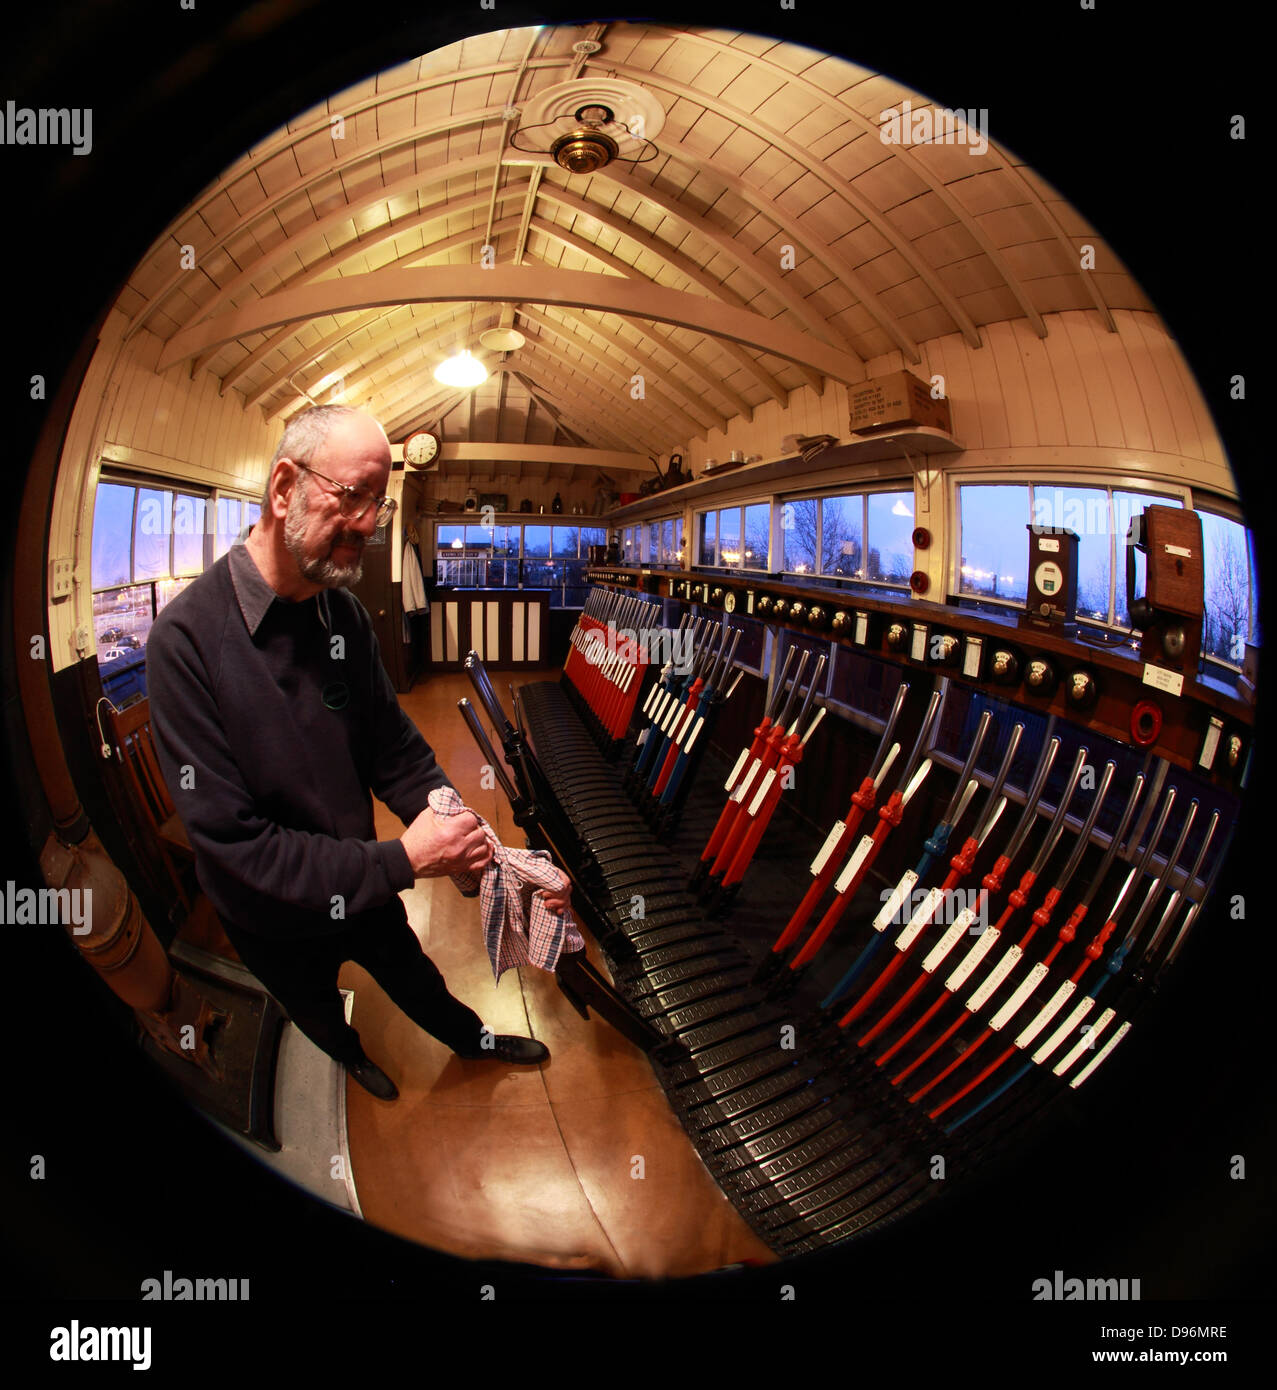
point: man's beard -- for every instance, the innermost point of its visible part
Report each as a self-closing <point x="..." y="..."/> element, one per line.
<point x="325" y="570"/>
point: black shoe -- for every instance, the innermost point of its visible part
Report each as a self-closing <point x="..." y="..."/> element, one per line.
<point x="525" y="1051"/>
<point x="371" y="1077"/>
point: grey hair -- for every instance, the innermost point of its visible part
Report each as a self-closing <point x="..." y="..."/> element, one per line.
<point x="304" y="436"/>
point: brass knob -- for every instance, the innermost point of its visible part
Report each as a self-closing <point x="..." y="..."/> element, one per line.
<point x="1234" y="749"/>
<point x="797" y="611"/>
<point x="1082" y="690"/>
<point x="816" y="615"/>
<point x="764" y="604"/>
<point x="778" y="607"/>
<point x="841" y="621"/>
<point x="896" y="636"/>
<point x="949" y="645"/>
<point x="1039" y="675"/>
<point x="1006" y="666"/>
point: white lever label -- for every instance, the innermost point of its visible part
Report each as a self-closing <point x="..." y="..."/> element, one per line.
<point x="1100" y="1056"/>
<point x="973" y="957"/>
<point x="999" y="973"/>
<point x="1012" y="1006"/>
<point x="831" y="841"/>
<point x="920" y="918"/>
<point x="892" y="906"/>
<point x="1085" y="1041"/>
<point x="1046" y="1013"/>
<point x="853" y="864"/>
<point x="762" y="791"/>
<point x="1080" y="1011"/>
<point x="743" y="786"/>
<point x="949" y="940"/>
<point x="735" y="773"/>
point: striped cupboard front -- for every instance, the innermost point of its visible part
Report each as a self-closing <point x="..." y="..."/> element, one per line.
<point x="505" y="628"/>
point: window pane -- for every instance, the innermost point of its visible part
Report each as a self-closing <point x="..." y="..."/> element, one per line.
<point x="121" y="621"/>
<point x="536" y="541"/>
<point x="995" y="543"/>
<point x="592" y="535"/>
<point x="798" y="525"/>
<point x="707" y="538"/>
<point x="228" y="525"/>
<point x="758" y="521"/>
<point x="1085" y="512"/>
<point x="1227" y="588"/>
<point x="566" y="540"/>
<point x="842" y="519"/>
<point x="729" y="551"/>
<point x="112" y="534"/>
<point x="628" y="554"/>
<point x="678" y="540"/>
<point x="667" y="541"/>
<point x="890" y="544"/>
<point x="152" y="532"/>
<point x="479" y="540"/>
<point x="188" y="534"/>
<point x="252" y="511"/>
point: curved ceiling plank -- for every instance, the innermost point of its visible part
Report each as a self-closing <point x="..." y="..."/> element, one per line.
<point x="537" y="285"/>
<point x="817" y="247"/>
<point x="652" y="399"/>
<point x="548" y="366"/>
<point x="530" y="374"/>
<point x="917" y="167"/>
<point x="961" y="319"/>
<point x="647" y="364"/>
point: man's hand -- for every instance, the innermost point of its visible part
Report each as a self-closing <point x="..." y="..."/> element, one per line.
<point x="442" y="845"/>
<point x="559" y="899"/>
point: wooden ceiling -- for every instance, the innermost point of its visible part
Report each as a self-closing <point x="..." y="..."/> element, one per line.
<point x="340" y="260"/>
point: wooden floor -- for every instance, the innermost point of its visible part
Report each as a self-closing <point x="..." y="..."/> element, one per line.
<point x="579" y="1163"/>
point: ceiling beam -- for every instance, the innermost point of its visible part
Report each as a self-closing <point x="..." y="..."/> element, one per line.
<point x="516" y="284"/>
<point x="553" y="454"/>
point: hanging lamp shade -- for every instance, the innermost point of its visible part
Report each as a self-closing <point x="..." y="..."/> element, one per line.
<point x="461" y="370"/>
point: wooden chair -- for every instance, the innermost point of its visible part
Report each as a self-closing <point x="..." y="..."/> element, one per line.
<point x="135" y="748"/>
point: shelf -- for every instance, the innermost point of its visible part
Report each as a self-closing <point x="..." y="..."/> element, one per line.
<point x="866" y="449"/>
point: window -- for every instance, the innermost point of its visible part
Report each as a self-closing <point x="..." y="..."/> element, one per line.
<point x="993" y="541"/>
<point x="735" y="537"/>
<point x="1232" y="597"/>
<point x="859" y="536"/>
<point x="149" y="541"/>
<point x="470" y="556"/>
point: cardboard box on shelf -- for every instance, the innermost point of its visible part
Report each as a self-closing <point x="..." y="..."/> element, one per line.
<point x="890" y="402"/>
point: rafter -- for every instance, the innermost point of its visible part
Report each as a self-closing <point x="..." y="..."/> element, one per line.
<point x="513" y="284"/>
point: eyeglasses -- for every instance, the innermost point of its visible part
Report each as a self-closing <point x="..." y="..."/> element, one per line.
<point x="355" y="501"/>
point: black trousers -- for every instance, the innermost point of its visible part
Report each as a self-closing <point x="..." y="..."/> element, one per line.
<point x="302" y="975"/>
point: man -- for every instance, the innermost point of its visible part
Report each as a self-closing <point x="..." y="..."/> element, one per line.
<point x="273" y="719"/>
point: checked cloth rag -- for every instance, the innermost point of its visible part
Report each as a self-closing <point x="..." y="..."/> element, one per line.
<point x="518" y="928"/>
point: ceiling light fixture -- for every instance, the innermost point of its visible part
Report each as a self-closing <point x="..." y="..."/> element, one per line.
<point x="597" y="120"/>
<point x="462" y="370"/>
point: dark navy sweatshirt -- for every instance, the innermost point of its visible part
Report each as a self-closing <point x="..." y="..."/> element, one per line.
<point x="273" y="721"/>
